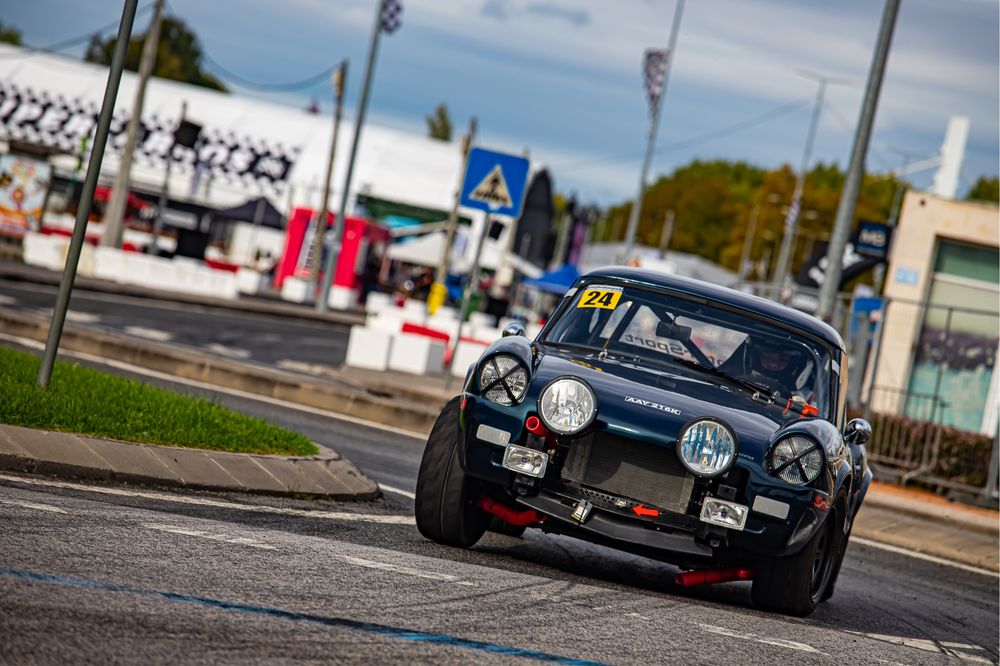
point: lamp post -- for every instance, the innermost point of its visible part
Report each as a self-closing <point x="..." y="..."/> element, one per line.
<point x="339" y="78"/>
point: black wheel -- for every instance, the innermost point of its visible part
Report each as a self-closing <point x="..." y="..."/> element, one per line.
<point x="503" y="527"/>
<point x="795" y="585"/>
<point x="445" y="507"/>
<point x="839" y="562"/>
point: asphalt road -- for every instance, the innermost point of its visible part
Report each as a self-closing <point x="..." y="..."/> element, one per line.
<point x="292" y="344"/>
<point x="109" y="574"/>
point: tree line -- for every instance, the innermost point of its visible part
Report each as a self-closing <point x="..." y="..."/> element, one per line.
<point x="712" y="203"/>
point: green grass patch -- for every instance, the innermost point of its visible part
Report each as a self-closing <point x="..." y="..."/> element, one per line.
<point x="90" y="402"/>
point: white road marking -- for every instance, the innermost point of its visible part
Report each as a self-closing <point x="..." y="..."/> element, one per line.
<point x="224" y="538"/>
<point x="386" y="519"/>
<point x="35" y="344"/>
<point x="924" y="556"/>
<point x="82" y="317"/>
<point x="231" y="352"/>
<point x="779" y="642"/>
<point x="926" y="645"/>
<point x="408" y="571"/>
<point x="33" y="505"/>
<point x="7" y="300"/>
<point x="149" y="333"/>
<point x="397" y="491"/>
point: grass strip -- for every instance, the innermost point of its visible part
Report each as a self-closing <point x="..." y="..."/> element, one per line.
<point x="89" y="402"/>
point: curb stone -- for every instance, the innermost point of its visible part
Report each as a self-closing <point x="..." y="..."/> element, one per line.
<point x="324" y="476"/>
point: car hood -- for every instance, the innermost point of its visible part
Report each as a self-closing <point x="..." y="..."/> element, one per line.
<point x="654" y="403"/>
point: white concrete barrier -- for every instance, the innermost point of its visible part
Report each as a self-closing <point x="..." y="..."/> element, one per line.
<point x="295" y="290"/>
<point x="466" y="354"/>
<point x="386" y="321"/>
<point x="250" y="281"/>
<point x="416" y="354"/>
<point x="415" y="311"/>
<point x="378" y="301"/>
<point x="45" y="250"/>
<point x="368" y="348"/>
<point x="342" y="298"/>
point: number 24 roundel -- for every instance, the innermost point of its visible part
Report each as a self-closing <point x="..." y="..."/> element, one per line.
<point x="606" y="299"/>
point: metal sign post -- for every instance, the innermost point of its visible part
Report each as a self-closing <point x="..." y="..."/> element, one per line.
<point x="87" y="196"/>
<point x="495" y="183"/>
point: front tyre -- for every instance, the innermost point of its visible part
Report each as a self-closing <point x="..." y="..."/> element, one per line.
<point x="795" y="585"/>
<point x="445" y="503"/>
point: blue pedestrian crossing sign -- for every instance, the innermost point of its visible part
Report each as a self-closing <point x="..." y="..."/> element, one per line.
<point x="495" y="182"/>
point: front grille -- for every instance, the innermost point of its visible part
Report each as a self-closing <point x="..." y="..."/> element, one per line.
<point x="637" y="470"/>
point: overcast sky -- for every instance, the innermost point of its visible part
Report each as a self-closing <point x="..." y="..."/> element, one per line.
<point x="562" y="77"/>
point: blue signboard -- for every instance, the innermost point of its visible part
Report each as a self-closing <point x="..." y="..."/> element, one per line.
<point x="873" y="239"/>
<point x="495" y="182"/>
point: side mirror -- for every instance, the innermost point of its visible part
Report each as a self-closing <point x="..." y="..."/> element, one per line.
<point x="514" y="328"/>
<point x="858" y="432"/>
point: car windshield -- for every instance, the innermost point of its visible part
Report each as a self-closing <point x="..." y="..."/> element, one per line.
<point x="644" y="326"/>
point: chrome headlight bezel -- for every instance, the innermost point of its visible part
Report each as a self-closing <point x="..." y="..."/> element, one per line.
<point x="512" y="390"/>
<point x="718" y="427"/>
<point x="802" y="447"/>
<point x="559" y="430"/>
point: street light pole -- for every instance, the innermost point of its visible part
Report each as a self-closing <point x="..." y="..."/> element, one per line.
<point x="339" y="78"/>
<point x="322" y="304"/>
<point x="87" y="195"/>
<point x="633" y="218"/>
<point x="748" y="243"/>
<point x="439" y="291"/>
<point x="117" y="200"/>
<point x="852" y="183"/>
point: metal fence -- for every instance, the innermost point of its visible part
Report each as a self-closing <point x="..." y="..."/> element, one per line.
<point x="906" y="432"/>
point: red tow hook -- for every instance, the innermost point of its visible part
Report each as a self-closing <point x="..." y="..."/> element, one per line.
<point x="536" y="427"/>
<point x="709" y="576"/>
<point x="509" y="515"/>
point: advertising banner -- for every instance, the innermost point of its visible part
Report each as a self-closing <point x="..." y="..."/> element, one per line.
<point x="23" y="184"/>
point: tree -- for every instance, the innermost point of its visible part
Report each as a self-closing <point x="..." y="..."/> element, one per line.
<point x="439" y="124"/>
<point x="985" y="189"/>
<point x="10" y="35"/>
<point x="178" y="54"/>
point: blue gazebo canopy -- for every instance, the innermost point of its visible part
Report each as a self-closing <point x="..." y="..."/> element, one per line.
<point x="555" y="281"/>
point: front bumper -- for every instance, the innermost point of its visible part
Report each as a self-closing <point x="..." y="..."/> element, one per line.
<point x="678" y="537"/>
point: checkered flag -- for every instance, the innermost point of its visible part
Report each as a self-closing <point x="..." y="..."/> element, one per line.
<point x="392" y="15"/>
<point x="654" y="70"/>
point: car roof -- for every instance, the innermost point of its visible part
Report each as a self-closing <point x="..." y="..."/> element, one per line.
<point x="731" y="297"/>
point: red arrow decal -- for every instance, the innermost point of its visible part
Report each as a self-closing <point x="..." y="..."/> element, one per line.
<point x="641" y="510"/>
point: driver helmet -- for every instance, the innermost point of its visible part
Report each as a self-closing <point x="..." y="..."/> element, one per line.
<point x="782" y="362"/>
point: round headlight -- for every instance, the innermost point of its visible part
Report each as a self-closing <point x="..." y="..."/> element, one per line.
<point x="795" y="459"/>
<point x="503" y="380"/>
<point x="707" y="448"/>
<point x="567" y="406"/>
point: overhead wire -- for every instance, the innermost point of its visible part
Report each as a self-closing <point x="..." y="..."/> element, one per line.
<point x="753" y="121"/>
<point x="72" y="41"/>
<point x="242" y="82"/>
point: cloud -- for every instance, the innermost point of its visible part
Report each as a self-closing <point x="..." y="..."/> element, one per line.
<point x="577" y="17"/>
<point x="495" y="9"/>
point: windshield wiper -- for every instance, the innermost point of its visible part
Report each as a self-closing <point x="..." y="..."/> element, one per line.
<point x="751" y="387"/>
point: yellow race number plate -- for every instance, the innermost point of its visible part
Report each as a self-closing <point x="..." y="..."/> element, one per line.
<point x="598" y="297"/>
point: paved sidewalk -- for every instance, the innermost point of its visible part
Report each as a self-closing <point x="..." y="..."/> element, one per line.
<point x="922" y="522"/>
<point x="325" y="476"/>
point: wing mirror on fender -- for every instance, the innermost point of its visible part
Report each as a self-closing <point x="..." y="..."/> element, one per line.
<point x="858" y="432"/>
<point x="514" y="328"/>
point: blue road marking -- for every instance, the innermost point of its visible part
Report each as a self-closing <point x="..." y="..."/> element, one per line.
<point x="369" y="627"/>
